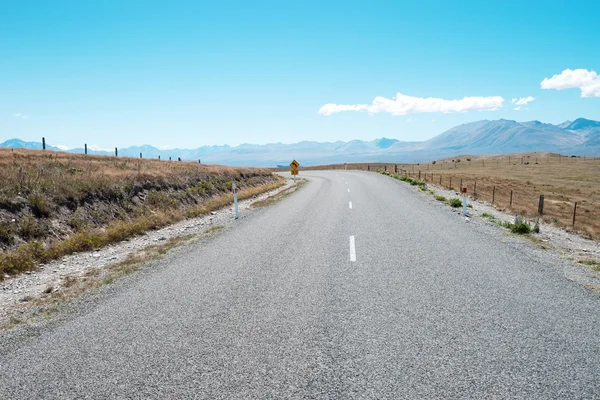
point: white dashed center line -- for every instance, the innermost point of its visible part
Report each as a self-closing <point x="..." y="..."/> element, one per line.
<point x="348" y="190"/>
<point x="350" y="205"/>
<point x="352" y="249"/>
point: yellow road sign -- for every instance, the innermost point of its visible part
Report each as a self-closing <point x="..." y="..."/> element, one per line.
<point x="294" y="164"/>
<point x="294" y="171"/>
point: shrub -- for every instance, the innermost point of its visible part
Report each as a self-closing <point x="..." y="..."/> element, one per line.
<point x="440" y="198"/>
<point x="455" y="203"/>
<point x="31" y="228"/>
<point x="6" y="234"/>
<point x="520" y="228"/>
<point x="39" y="206"/>
<point x="160" y="200"/>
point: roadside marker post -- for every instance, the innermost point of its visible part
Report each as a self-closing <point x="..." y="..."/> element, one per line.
<point x="235" y="202"/>
<point x="464" y="190"/>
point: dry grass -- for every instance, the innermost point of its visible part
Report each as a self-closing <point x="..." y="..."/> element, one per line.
<point x="53" y="204"/>
<point x="562" y="180"/>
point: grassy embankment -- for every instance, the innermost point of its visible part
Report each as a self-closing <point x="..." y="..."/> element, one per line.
<point x="53" y="204"/>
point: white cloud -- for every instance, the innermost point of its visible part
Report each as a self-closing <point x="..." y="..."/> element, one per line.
<point x="331" y="108"/>
<point x="587" y="81"/>
<point x="403" y="105"/>
<point x="517" y="108"/>
<point x="522" y="101"/>
<point x="21" y="115"/>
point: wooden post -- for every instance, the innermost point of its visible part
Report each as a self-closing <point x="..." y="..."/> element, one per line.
<point x="511" y="198"/>
<point x="493" y="194"/>
<point x="450" y="186"/>
<point x="541" y="205"/>
<point x="43" y="143"/>
<point x="574" y="213"/>
<point x="116" y="152"/>
<point x="368" y="167"/>
<point x="178" y="158"/>
<point x="396" y="168"/>
<point x="169" y="158"/>
<point x="461" y="185"/>
<point x="140" y="155"/>
<point x="85" y="146"/>
<point x="440" y="179"/>
<point x="419" y="174"/>
<point x="385" y="168"/>
<point x="475" y="189"/>
<point x="158" y="158"/>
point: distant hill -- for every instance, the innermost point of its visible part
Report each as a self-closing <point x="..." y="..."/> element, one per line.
<point x="578" y="137"/>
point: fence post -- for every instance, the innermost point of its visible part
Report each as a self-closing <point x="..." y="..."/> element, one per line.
<point x="450" y="185"/>
<point x="461" y="185"/>
<point x="475" y="189"/>
<point x="158" y="158"/>
<point x="368" y="167"/>
<point x="493" y="194"/>
<point x="541" y="205"/>
<point x="140" y="155"/>
<point x="85" y="146"/>
<point x="396" y="168"/>
<point x="574" y="213"/>
<point x="385" y="168"/>
<point x="511" y="198"/>
<point x="116" y="152"/>
<point x="419" y="174"/>
<point x="43" y="143"/>
<point x="440" y="179"/>
<point x="178" y="158"/>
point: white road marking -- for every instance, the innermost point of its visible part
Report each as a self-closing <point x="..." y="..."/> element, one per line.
<point x="348" y="190"/>
<point x="352" y="249"/>
<point x="350" y="205"/>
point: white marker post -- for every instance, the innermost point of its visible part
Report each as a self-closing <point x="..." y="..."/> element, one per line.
<point x="464" y="190"/>
<point x="235" y="202"/>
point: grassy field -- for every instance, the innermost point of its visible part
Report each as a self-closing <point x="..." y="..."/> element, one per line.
<point x="53" y="204"/>
<point x="562" y="180"/>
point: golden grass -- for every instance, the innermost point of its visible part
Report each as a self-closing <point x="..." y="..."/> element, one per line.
<point x="562" y="180"/>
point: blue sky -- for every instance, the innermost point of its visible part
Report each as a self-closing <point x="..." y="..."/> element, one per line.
<point x="187" y="74"/>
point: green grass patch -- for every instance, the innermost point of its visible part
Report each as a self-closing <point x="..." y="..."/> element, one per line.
<point x="440" y="198"/>
<point x="521" y="228"/>
<point x="455" y="203"/>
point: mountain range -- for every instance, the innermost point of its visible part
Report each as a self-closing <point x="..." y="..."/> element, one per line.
<point x="578" y="137"/>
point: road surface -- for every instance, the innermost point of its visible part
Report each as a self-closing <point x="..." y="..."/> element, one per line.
<point x="353" y="287"/>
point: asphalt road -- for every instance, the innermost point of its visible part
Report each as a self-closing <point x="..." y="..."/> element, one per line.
<point x="282" y="306"/>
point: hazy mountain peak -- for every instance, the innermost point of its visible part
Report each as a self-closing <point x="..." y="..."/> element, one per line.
<point x="385" y="143"/>
<point x="582" y="123"/>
